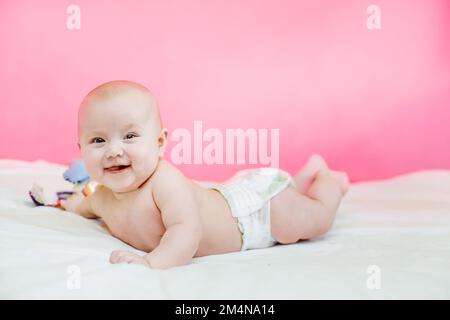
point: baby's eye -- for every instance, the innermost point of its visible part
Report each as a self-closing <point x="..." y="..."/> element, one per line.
<point x="130" y="136"/>
<point x="97" y="140"/>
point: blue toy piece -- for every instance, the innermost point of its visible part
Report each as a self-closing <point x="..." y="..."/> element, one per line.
<point x="76" y="173"/>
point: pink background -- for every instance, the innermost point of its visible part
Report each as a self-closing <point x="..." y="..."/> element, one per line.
<point x="375" y="103"/>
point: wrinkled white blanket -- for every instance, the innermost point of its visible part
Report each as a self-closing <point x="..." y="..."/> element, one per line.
<point x="390" y="240"/>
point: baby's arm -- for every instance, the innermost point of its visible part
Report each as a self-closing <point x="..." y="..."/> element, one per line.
<point x="173" y="194"/>
<point x="80" y="205"/>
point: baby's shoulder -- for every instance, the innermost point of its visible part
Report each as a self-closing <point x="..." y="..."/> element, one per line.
<point x="168" y="181"/>
<point x="167" y="174"/>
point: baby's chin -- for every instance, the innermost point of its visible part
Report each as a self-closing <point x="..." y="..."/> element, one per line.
<point x="120" y="187"/>
<point x="122" y="184"/>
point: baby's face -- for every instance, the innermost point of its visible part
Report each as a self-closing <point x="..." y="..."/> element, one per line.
<point x="121" y="140"/>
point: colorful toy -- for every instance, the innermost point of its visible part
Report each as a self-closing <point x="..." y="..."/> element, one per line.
<point x="76" y="174"/>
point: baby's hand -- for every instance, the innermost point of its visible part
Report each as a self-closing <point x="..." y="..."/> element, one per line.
<point x="121" y="256"/>
<point x="73" y="203"/>
<point x="80" y="205"/>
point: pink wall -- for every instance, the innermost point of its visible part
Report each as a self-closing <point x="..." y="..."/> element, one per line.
<point x="375" y="103"/>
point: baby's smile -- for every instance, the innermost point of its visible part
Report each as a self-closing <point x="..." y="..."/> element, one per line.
<point x="117" y="169"/>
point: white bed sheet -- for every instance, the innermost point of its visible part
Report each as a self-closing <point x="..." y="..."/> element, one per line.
<point x="399" y="225"/>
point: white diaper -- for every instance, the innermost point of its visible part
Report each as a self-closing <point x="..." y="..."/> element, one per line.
<point x="248" y="194"/>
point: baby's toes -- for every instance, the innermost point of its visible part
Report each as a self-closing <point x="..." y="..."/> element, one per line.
<point x="315" y="163"/>
<point x="342" y="179"/>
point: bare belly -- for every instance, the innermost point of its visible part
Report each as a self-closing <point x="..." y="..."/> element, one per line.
<point x="220" y="229"/>
<point x="142" y="226"/>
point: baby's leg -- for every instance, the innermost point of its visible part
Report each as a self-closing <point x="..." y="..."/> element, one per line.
<point x="295" y="216"/>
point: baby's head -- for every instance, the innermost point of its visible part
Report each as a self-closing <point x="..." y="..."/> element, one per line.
<point x="120" y="135"/>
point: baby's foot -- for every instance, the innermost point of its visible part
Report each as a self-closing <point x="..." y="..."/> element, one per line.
<point x="305" y="177"/>
<point x="342" y="179"/>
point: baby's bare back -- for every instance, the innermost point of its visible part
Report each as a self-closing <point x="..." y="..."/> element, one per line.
<point x="134" y="217"/>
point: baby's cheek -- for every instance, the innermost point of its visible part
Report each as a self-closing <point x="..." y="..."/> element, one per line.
<point x="93" y="166"/>
<point x="146" y="164"/>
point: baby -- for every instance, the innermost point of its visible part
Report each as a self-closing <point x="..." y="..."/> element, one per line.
<point x="148" y="203"/>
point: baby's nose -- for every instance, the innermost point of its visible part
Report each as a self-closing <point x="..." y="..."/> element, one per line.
<point x="114" y="150"/>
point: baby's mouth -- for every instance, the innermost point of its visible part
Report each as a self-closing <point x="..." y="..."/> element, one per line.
<point x="117" y="169"/>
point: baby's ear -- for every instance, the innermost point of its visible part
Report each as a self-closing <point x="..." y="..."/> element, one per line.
<point x="162" y="141"/>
